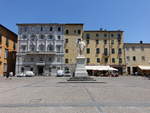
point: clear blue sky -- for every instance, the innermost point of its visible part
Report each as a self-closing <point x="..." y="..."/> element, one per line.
<point x="131" y="16"/>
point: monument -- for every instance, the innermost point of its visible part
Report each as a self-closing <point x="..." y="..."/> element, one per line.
<point x="80" y="71"/>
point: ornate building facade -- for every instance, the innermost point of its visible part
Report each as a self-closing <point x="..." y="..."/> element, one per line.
<point x="40" y="48"/>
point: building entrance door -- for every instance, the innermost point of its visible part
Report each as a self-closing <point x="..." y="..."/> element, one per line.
<point x="40" y="70"/>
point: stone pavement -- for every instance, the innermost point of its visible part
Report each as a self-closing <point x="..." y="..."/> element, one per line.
<point x="55" y="95"/>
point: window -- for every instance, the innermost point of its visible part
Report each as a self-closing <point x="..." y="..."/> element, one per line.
<point x="59" y="37"/>
<point x="0" y="38"/>
<point x="127" y="48"/>
<point x="75" y="31"/>
<point x="66" y="40"/>
<point x="24" y="37"/>
<point x="33" y="37"/>
<point x="106" y="60"/>
<point x="120" y="60"/>
<point x="41" y="47"/>
<point x="5" y="67"/>
<point x="105" y="51"/>
<point x="98" y="60"/>
<point x="113" y="60"/>
<point x="58" y="59"/>
<point x="6" y="53"/>
<point x="50" y="59"/>
<point x="66" y="60"/>
<point x="42" y="37"/>
<point x="134" y="58"/>
<point x="88" y="60"/>
<point x="23" y="47"/>
<point x="88" y="50"/>
<point x="119" y="35"/>
<point x="32" y="47"/>
<point x="51" y="29"/>
<point x="41" y="60"/>
<point x="119" y="40"/>
<point x="7" y="41"/>
<point x="58" y="48"/>
<point x="119" y="51"/>
<point x="50" y="47"/>
<point x="105" y="35"/>
<point x="67" y="31"/>
<point x="41" y="28"/>
<point x="112" y="35"/>
<point x="32" y="59"/>
<point x="22" y="69"/>
<point x="88" y="36"/>
<point x="50" y="37"/>
<point x="113" y="51"/>
<point x="97" y="35"/>
<point x="112" y="42"/>
<point x="97" y="50"/>
<point x="97" y="41"/>
<point x="59" y="28"/>
<point x="79" y="31"/>
<point x="143" y="58"/>
<point x="105" y="41"/>
<point x="128" y="58"/>
<point x="31" y="69"/>
<point x="66" y="51"/>
<point x="87" y="41"/>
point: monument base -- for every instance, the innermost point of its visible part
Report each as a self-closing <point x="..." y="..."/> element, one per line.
<point x="80" y="72"/>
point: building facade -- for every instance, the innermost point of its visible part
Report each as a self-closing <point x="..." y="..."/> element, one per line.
<point x="40" y="48"/>
<point x="136" y="54"/>
<point x="8" y="42"/>
<point x="105" y="48"/>
<point x="72" y="33"/>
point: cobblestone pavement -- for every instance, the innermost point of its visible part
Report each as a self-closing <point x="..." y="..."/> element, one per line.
<point x="54" y="95"/>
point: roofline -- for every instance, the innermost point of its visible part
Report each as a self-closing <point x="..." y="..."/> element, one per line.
<point x="8" y="30"/>
<point x="49" y="24"/>
<point x="103" y="31"/>
<point x="136" y="44"/>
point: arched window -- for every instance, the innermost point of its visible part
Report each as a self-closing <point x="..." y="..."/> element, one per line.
<point x="33" y="37"/>
<point x="50" y="37"/>
<point x="32" y="47"/>
<point x="41" y="47"/>
<point x="42" y="37"/>
<point x="50" y="47"/>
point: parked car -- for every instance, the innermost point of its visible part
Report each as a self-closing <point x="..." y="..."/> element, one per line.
<point x="67" y="73"/>
<point x="60" y="73"/>
<point x="29" y="74"/>
<point x="20" y="75"/>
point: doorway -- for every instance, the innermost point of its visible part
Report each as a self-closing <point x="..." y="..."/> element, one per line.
<point x="40" y="70"/>
<point x="129" y="70"/>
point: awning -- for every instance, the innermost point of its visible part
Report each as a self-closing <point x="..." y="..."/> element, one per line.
<point x="101" y="68"/>
<point x="144" y="67"/>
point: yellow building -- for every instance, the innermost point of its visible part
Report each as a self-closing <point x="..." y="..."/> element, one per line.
<point x="137" y="54"/>
<point x="72" y="32"/>
<point x="8" y="41"/>
<point x="105" y="48"/>
<point x="102" y="47"/>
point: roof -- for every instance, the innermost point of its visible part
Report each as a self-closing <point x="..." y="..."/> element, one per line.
<point x="103" y="31"/>
<point x="8" y="30"/>
<point x="136" y="44"/>
<point x="49" y="24"/>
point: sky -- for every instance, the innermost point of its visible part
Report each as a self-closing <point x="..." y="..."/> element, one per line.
<point x="131" y="16"/>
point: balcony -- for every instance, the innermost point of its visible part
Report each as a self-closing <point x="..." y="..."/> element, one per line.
<point x="41" y="52"/>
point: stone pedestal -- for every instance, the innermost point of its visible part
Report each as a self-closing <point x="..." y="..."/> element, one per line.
<point x="80" y="72"/>
<point x="80" y="67"/>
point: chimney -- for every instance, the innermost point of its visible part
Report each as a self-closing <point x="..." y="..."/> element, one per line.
<point x="141" y="42"/>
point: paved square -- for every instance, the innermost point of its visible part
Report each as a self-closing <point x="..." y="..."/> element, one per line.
<point x="54" y="95"/>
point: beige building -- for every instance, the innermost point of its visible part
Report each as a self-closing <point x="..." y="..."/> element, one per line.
<point x="72" y="32"/>
<point x="137" y="54"/>
<point x="105" y="48"/>
<point x="102" y="47"/>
